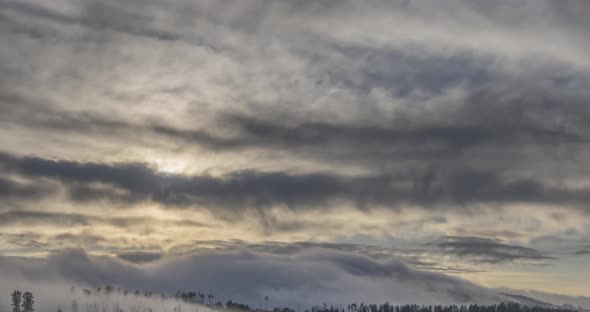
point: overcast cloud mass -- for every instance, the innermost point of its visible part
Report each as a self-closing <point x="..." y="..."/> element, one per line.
<point x="312" y="151"/>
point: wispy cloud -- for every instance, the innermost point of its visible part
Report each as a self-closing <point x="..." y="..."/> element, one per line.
<point x="485" y="250"/>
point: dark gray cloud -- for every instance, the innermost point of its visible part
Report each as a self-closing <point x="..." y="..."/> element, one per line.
<point x="505" y="126"/>
<point x="585" y="251"/>
<point x="483" y="250"/>
<point x="10" y="189"/>
<point x="132" y="182"/>
<point x="139" y="256"/>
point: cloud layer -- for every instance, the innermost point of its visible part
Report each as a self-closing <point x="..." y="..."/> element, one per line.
<point x="307" y="277"/>
<point x="452" y="136"/>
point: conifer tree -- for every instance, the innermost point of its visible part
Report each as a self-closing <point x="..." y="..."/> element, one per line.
<point x="28" y="302"/>
<point x="16" y="301"/>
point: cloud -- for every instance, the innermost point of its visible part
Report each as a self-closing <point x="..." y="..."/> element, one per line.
<point x="334" y="98"/>
<point x="26" y="240"/>
<point x="82" y="239"/>
<point x="585" y="251"/>
<point x="295" y="114"/>
<point x="420" y="258"/>
<point x="132" y="182"/>
<point x="483" y="250"/>
<point x="26" y="217"/>
<point x="98" y="15"/>
<point x="139" y="256"/>
<point x="27" y="191"/>
<point x="306" y="277"/>
<point x="22" y="217"/>
<point x="556" y="299"/>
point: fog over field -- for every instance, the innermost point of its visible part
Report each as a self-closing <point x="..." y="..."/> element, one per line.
<point x="318" y="151"/>
<point x="300" y="278"/>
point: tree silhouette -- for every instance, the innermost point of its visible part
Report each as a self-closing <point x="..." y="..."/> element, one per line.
<point x="16" y="301"/>
<point x="501" y="307"/>
<point x="28" y="302"/>
<point x="25" y="303"/>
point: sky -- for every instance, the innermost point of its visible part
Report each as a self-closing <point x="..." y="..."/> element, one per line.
<point x="312" y="151"/>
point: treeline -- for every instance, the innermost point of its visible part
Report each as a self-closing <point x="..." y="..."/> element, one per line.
<point x="187" y="297"/>
<point x="194" y="297"/>
<point x="25" y="302"/>
<point x="109" y="290"/>
<point x="501" y="307"/>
